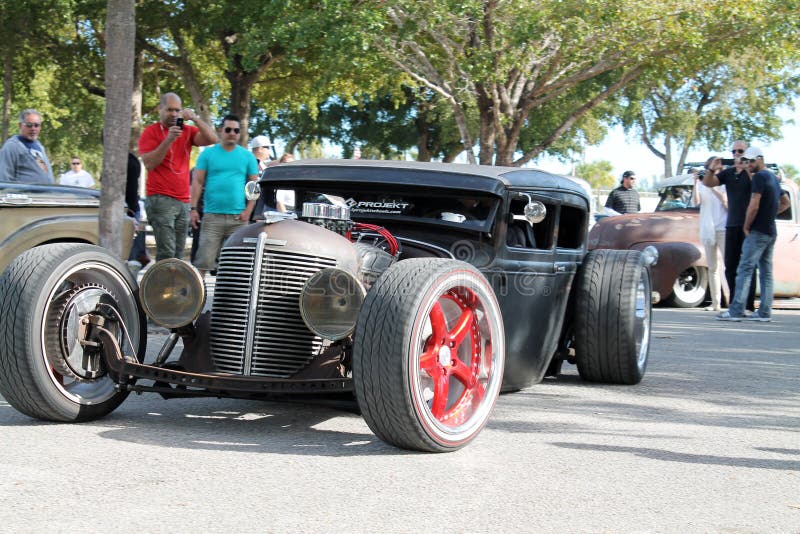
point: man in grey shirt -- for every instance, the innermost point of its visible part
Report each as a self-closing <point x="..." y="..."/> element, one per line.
<point x="23" y="158"/>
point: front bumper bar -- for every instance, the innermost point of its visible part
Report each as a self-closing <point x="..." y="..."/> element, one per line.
<point x="125" y="370"/>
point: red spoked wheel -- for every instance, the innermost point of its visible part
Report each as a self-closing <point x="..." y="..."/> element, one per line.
<point x="453" y="369"/>
<point x="429" y="354"/>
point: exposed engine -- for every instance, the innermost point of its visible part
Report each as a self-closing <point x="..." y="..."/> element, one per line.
<point x="331" y="215"/>
<point x="376" y="247"/>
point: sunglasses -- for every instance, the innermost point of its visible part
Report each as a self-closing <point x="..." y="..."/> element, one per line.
<point x="33" y="124"/>
<point x="75" y="163"/>
<point x="745" y="160"/>
<point x="229" y="129"/>
<point x="738" y="151"/>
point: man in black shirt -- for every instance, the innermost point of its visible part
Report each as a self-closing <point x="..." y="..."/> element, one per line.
<point x="765" y="203"/>
<point x="736" y="180"/>
<point x="139" y="248"/>
<point x="624" y="199"/>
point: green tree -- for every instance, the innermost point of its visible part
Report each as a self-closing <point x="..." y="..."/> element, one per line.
<point x="513" y="62"/>
<point x="287" y="51"/>
<point x="735" y="99"/>
<point x="31" y="29"/>
<point x="387" y="125"/>
<point x="598" y="173"/>
<point x="791" y="172"/>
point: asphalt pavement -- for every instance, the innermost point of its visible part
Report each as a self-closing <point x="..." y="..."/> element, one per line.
<point x="708" y="442"/>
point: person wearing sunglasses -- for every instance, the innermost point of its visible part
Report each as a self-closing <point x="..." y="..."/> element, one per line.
<point x="165" y="148"/>
<point x="23" y="158"/>
<point x="220" y="175"/>
<point x="624" y="199"/>
<point x="736" y="180"/>
<point x="76" y="176"/>
<point x="766" y="202"/>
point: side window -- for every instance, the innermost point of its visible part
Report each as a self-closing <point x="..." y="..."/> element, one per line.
<point x="523" y="234"/>
<point x="787" y="215"/>
<point x="571" y="227"/>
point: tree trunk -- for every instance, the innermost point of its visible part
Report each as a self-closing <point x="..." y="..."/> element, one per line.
<point x="667" y="156"/>
<point x="423" y="139"/>
<point x="684" y="153"/>
<point x="463" y="128"/>
<point x="8" y="77"/>
<point x="136" y="102"/>
<point x="196" y="94"/>
<point x="121" y="28"/>
<point x="241" y="85"/>
<point x="488" y="132"/>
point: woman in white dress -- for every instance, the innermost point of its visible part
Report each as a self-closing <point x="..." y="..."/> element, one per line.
<point x="713" y="204"/>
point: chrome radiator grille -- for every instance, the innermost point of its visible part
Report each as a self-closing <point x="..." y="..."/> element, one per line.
<point x="262" y="334"/>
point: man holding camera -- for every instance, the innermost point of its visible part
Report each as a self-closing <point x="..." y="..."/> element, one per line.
<point x="766" y="202"/>
<point x="736" y="180"/>
<point x="165" y="148"/>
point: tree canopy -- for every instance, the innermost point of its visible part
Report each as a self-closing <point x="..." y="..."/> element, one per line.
<point x="504" y="81"/>
<point x="543" y="67"/>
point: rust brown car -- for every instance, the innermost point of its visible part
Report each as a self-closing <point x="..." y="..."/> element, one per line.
<point x="681" y="276"/>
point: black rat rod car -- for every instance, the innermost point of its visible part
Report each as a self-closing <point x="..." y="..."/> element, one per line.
<point x="418" y="290"/>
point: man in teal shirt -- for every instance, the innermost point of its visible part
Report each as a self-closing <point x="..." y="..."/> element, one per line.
<point x="219" y="177"/>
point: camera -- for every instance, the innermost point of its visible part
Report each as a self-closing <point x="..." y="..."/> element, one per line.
<point x="701" y="173"/>
<point x="179" y="122"/>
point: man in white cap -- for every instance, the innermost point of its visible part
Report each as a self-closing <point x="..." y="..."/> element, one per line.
<point x="766" y="202"/>
<point x="260" y="146"/>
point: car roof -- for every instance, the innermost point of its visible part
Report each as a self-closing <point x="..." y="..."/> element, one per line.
<point x="680" y="179"/>
<point x="485" y="178"/>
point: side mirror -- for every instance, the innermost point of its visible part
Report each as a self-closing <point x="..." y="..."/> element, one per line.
<point x="252" y="191"/>
<point x="535" y="211"/>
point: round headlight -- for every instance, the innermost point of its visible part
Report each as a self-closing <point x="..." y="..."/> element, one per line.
<point x="330" y="302"/>
<point x="650" y="255"/>
<point x="172" y="293"/>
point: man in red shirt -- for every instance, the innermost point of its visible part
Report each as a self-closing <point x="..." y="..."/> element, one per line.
<point x="165" y="148"/>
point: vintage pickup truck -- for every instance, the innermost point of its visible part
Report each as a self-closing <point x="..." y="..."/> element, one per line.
<point x="35" y="214"/>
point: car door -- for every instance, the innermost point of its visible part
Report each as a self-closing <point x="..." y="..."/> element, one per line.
<point x="538" y="265"/>
<point x="786" y="258"/>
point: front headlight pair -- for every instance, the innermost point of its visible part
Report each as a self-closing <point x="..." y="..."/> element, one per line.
<point x="172" y="294"/>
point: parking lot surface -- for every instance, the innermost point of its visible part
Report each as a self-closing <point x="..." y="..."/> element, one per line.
<point x="708" y="442"/>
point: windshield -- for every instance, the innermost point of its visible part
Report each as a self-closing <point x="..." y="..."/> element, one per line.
<point x="675" y="197"/>
<point x="464" y="210"/>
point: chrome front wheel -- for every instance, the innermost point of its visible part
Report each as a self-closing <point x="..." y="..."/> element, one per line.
<point x="49" y="292"/>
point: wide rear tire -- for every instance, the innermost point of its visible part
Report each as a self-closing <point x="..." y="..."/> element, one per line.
<point x="428" y="355"/>
<point x="613" y="311"/>
<point x="44" y="293"/>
